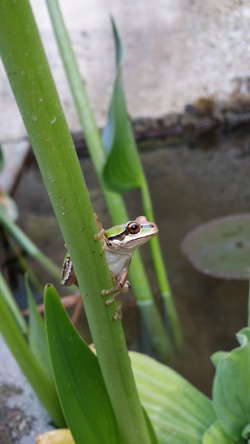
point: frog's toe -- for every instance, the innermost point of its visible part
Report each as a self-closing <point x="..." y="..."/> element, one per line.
<point x="126" y="287"/>
<point x="110" y="300"/>
<point x="118" y="314"/>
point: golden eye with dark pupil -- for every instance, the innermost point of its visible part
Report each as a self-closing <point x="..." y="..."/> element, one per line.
<point x="133" y="228"/>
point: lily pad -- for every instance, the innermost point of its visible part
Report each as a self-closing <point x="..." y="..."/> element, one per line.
<point x="221" y="248"/>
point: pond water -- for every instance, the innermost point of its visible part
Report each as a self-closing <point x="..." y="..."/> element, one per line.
<point x="191" y="183"/>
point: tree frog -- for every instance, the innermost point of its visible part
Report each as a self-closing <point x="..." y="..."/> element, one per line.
<point x="119" y="243"/>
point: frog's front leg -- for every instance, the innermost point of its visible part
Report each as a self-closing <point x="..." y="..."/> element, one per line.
<point x="100" y="235"/>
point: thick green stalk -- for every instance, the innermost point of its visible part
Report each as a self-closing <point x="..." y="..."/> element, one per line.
<point x="161" y="271"/>
<point x="114" y="201"/>
<point x="5" y="291"/>
<point x="248" y="307"/>
<point x="34" y="89"/>
<point x="43" y="386"/>
<point x="28" y="245"/>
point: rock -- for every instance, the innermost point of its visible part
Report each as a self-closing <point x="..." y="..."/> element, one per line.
<point x="22" y="417"/>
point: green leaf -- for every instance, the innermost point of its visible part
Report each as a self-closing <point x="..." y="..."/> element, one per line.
<point x="231" y="390"/>
<point x="37" y="334"/>
<point x="8" y="206"/>
<point x="122" y="170"/>
<point x="79" y="381"/>
<point x="8" y="298"/>
<point x="28" y="363"/>
<point x="217" y="356"/>
<point x="220" y="247"/>
<point x="179" y="412"/>
<point x="1" y="158"/>
<point x="151" y="431"/>
<point x="215" y="435"/>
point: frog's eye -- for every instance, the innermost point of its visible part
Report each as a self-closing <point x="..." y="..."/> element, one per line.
<point x="133" y="227"/>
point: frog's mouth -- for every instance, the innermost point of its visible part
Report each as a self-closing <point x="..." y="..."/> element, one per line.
<point x="134" y="242"/>
<point x="141" y="240"/>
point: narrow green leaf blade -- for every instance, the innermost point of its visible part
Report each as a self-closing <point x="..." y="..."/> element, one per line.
<point x="216" y="435"/>
<point x="37" y="334"/>
<point x="151" y="431"/>
<point x="1" y="158"/>
<point x="122" y="170"/>
<point x="179" y="412"/>
<point x="8" y="206"/>
<point x="28" y="363"/>
<point x="231" y="390"/>
<point x="78" y="379"/>
<point x="10" y="301"/>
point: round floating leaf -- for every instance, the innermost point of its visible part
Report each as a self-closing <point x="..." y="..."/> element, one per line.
<point x="221" y="248"/>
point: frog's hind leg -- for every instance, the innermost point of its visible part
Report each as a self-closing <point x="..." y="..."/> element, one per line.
<point x="68" y="273"/>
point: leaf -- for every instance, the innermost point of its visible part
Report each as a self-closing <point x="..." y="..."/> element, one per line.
<point x="79" y="381"/>
<point x="231" y="389"/>
<point x="151" y="431"/>
<point x="220" y="248"/>
<point x="8" y="206"/>
<point x="217" y="356"/>
<point x="122" y="170"/>
<point x="215" y="435"/>
<point x="37" y="334"/>
<point x="28" y="363"/>
<point x="179" y="412"/>
<point x="8" y="298"/>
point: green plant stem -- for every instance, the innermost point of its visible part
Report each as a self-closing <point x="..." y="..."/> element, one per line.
<point x="29" y="246"/>
<point x="26" y="66"/>
<point x="43" y="386"/>
<point x="248" y="306"/>
<point x="5" y="291"/>
<point x="77" y="86"/>
<point x="114" y="201"/>
<point x="161" y="271"/>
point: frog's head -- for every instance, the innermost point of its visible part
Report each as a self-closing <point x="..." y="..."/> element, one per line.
<point x="131" y="235"/>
